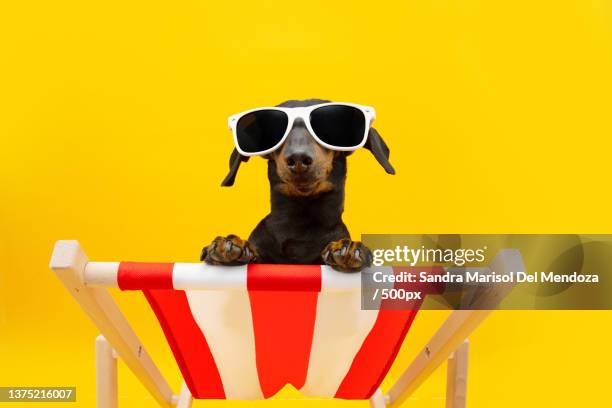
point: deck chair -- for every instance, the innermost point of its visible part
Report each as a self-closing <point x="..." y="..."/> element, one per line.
<point x="243" y="333"/>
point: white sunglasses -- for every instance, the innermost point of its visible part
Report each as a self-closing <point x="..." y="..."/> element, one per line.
<point x="336" y="126"/>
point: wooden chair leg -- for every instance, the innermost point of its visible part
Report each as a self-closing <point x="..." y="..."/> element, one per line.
<point x="378" y="400"/>
<point x="106" y="374"/>
<point x="184" y="399"/>
<point x="456" y="377"/>
<point x="69" y="263"/>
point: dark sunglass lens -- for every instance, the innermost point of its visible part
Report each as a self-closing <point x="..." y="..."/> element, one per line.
<point x="338" y="125"/>
<point x="261" y="130"/>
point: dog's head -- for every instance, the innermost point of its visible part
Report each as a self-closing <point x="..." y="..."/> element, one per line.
<point x="301" y="166"/>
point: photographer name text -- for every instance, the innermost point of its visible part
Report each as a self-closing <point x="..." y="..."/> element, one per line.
<point x="484" y="277"/>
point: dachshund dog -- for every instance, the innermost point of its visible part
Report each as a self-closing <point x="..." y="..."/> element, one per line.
<point x="307" y="200"/>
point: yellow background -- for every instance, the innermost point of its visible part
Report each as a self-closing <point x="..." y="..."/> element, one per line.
<point x="113" y="132"/>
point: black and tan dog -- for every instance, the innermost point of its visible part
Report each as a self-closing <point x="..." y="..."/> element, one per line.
<point x="307" y="195"/>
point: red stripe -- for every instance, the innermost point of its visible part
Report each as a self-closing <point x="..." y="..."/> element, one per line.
<point x="145" y="275"/>
<point x="187" y="342"/>
<point x="378" y="351"/>
<point x="283" y="322"/>
<point x="284" y="277"/>
<point x="376" y="355"/>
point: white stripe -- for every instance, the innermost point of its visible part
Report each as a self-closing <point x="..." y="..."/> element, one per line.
<point x="226" y="321"/>
<point x="340" y="329"/>
<point x="334" y="280"/>
<point x="101" y="274"/>
<point x="212" y="277"/>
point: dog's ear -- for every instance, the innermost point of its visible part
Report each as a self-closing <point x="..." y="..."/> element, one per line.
<point x="234" y="163"/>
<point x="379" y="149"/>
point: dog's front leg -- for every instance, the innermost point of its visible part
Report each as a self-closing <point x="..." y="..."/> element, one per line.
<point x="347" y="256"/>
<point x="229" y="250"/>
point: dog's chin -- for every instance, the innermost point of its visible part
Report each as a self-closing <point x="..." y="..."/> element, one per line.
<point x="304" y="188"/>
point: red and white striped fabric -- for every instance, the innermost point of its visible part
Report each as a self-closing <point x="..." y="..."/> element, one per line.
<point x="289" y="324"/>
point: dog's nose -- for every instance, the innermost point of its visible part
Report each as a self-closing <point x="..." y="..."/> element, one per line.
<point x="299" y="162"/>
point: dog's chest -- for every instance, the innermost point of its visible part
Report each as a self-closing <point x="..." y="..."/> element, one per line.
<point x="296" y="250"/>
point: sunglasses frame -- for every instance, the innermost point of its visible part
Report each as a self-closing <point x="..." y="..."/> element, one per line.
<point x="303" y="113"/>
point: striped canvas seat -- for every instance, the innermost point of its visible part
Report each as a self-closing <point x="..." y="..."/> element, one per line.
<point x="278" y="325"/>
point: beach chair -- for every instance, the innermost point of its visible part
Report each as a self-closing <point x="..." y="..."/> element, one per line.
<point x="244" y="332"/>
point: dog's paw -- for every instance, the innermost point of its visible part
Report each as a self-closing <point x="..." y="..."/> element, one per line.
<point x="347" y="256"/>
<point x="230" y="250"/>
